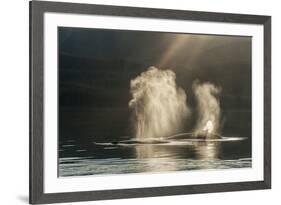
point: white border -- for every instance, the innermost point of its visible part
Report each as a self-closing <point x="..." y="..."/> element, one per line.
<point x="53" y="184"/>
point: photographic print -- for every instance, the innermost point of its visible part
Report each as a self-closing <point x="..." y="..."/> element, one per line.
<point x="150" y="102"/>
<point x="129" y="102"/>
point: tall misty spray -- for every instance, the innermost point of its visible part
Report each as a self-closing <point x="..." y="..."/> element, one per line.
<point x="158" y="106"/>
<point x="208" y="109"/>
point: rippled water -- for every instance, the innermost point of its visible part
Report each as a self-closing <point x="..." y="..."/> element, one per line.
<point x="130" y="156"/>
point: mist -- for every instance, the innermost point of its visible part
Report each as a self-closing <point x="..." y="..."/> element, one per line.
<point x="158" y="105"/>
<point x="208" y="109"/>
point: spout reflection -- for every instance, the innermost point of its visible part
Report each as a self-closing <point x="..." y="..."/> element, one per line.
<point x="155" y="158"/>
<point x="207" y="150"/>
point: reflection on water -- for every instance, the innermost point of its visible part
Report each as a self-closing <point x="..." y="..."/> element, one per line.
<point x="207" y="150"/>
<point x="164" y="156"/>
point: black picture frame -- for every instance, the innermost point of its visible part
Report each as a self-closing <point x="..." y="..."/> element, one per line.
<point x="36" y="173"/>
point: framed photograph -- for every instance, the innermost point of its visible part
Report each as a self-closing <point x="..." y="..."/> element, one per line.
<point x="138" y="102"/>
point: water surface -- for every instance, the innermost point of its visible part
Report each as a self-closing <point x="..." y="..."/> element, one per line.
<point x="129" y="156"/>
